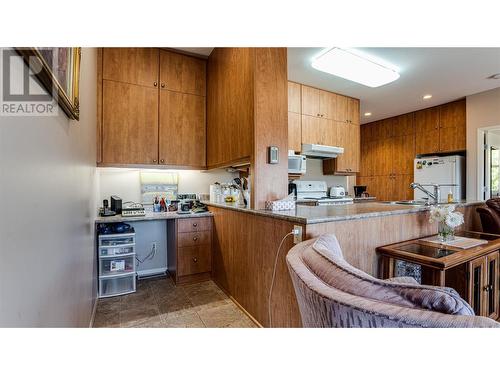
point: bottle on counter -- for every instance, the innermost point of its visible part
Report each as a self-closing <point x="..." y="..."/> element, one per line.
<point x="450" y="197"/>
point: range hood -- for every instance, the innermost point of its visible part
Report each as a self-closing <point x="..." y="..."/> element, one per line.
<point x="321" y="151"/>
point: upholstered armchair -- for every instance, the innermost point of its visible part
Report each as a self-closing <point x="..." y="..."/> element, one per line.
<point x="332" y="293"/>
<point x="490" y="216"/>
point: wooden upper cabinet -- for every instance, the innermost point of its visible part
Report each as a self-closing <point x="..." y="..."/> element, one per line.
<point x="129" y="126"/>
<point x="327" y="104"/>
<point x="182" y="73"/>
<point x="138" y="66"/>
<point x="311" y="130"/>
<point x="452" y="123"/>
<point x="427" y="142"/>
<point x="404" y="125"/>
<point x="293" y="97"/>
<point x="310" y="101"/>
<point x="452" y="115"/>
<point x="294" y="132"/>
<point x="353" y="110"/>
<point x="182" y="129"/>
<point x="427" y="120"/>
<point x="342" y="112"/>
<point x="348" y="136"/>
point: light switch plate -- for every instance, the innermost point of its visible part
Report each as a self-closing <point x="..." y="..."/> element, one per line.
<point x="273" y="155"/>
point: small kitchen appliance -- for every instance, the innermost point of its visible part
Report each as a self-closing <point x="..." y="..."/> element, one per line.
<point x="337" y="192"/>
<point x="296" y="163"/>
<point x="359" y="190"/>
<point x="315" y="193"/>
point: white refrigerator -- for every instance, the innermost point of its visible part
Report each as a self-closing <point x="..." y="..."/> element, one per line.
<point x="445" y="170"/>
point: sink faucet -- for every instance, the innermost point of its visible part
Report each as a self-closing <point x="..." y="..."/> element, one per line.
<point x="436" y="196"/>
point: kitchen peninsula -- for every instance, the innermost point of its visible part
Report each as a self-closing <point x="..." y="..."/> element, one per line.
<point x="246" y="241"/>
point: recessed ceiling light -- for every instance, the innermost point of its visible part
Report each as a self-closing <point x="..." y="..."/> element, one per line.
<point x="368" y="114"/>
<point x="428" y="96"/>
<point x="354" y="66"/>
<point x="495" y="76"/>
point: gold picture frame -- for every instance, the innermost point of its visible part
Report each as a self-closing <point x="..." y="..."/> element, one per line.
<point x="60" y="78"/>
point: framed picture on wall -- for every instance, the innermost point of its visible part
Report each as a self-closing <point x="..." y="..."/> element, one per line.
<point x="58" y="70"/>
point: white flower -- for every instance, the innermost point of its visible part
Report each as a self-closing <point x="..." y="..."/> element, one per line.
<point x="454" y="219"/>
<point x="447" y="214"/>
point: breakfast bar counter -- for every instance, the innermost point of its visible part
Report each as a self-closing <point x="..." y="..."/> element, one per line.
<point x="304" y="214"/>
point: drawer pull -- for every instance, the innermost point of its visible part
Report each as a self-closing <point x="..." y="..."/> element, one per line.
<point x="195" y="225"/>
<point x="195" y="239"/>
<point x="195" y="260"/>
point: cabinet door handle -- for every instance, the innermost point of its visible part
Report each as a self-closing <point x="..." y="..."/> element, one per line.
<point x="318" y="115"/>
<point x="195" y="225"/>
<point x="195" y="260"/>
<point x="162" y="85"/>
<point x="155" y="84"/>
<point x="195" y="239"/>
<point x="154" y="160"/>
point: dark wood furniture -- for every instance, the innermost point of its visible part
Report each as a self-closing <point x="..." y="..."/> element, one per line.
<point x="473" y="272"/>
<point x="191" y="241"/>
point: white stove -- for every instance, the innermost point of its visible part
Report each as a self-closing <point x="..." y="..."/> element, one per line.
<point x="315" y="193"/>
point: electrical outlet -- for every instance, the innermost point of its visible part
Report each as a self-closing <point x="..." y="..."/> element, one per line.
<point x="297" y="234"/>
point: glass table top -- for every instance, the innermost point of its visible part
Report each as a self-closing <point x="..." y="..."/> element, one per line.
<point x="424" y="250"/>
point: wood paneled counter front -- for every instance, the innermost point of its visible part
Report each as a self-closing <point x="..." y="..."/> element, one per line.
<point x="245" y="244"/>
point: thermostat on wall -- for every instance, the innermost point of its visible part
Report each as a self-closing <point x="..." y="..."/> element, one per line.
<point x="273" y="155"/>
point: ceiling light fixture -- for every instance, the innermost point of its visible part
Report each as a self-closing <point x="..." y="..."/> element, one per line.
<point x="428" y="96"/>
<point x="354" y="66"/>
<point x="368" y="114"/>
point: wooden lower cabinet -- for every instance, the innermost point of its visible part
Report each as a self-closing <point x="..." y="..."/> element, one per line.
<point x="483" y="285"/>
<point x="192" y="258"/>
<point x="182" y="131"/>
<point x="129" y="126"/>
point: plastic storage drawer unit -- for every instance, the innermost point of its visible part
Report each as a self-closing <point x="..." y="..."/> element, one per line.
<point x="116" y="254"/>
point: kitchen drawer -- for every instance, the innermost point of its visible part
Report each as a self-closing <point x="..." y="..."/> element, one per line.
<point x="116" y="266"/>
<point x="117" y="239"/>
<point x="107" y="251"/>
<point x="193" y="238"/>
<point x="116" y="286"/>
<point x="194" y="259"/>
<point x="194" y="225"/>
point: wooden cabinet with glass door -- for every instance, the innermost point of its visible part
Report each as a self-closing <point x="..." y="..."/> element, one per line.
<point x="472" y="272"/>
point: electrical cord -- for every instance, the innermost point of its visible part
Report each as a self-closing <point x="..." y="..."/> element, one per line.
<point x="150" y="255"/>
<point x="274" y="275"/>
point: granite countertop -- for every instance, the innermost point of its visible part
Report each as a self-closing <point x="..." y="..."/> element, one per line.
<point x="321" y="214"/>
<point x="150" y="215"/>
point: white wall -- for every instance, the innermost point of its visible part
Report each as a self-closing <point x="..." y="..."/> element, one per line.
<point x="483" y="110"/>
<point x="126" y="183"/>
<point x="47" y="192"/>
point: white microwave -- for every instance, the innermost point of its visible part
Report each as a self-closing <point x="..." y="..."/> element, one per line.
<point x="297" y="164"/>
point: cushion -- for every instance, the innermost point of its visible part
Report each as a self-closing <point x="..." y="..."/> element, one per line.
<point x="326" y="260"/>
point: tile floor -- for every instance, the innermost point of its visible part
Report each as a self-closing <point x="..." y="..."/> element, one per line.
<point x="159" y="303"/>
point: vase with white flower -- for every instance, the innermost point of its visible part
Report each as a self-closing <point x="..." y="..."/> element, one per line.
<point x="448" y="220"/>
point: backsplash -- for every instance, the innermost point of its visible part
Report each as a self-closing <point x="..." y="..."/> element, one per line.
<point x="126" y="182"/>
